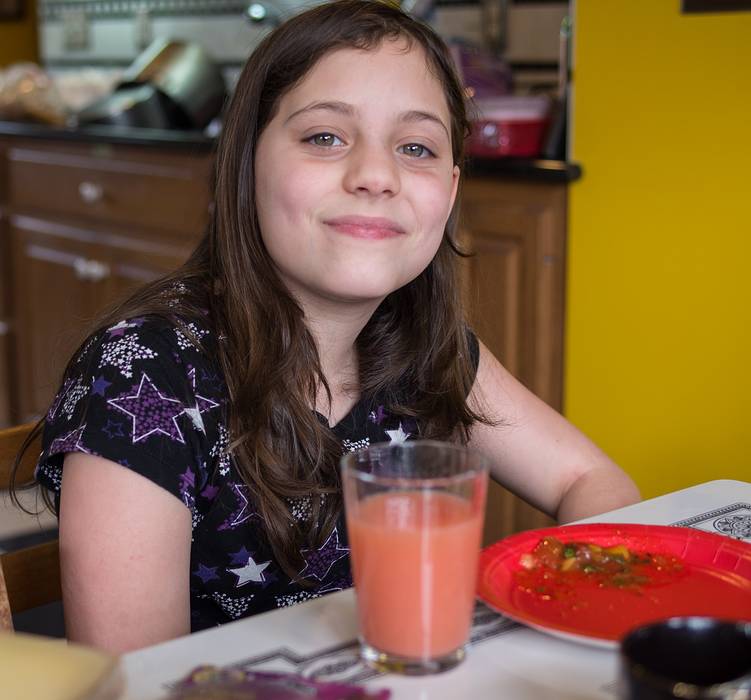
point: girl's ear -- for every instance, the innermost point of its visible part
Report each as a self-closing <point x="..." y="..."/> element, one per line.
<point x="454" y="185"/>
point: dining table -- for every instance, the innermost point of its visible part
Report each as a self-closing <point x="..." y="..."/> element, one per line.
<point x="505" y="659"/>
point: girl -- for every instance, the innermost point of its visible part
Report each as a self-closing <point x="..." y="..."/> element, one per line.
<point x="193" y="447"/>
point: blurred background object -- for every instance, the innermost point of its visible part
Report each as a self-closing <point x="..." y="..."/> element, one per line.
<point x="509" y="126"/>
<point x="28" y="94"/>
<point x="171" y="85"/>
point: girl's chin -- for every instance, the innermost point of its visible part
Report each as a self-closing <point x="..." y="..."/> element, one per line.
<point x="361" y="293"/>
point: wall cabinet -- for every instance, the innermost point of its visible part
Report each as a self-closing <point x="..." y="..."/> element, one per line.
<point x="82" y="224"/>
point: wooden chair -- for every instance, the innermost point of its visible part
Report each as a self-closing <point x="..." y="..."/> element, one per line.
<point x="29" y="577"/>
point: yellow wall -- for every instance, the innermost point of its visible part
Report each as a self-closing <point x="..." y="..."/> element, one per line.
<point x="658" y="348"/>
<point x="18" y="38"/>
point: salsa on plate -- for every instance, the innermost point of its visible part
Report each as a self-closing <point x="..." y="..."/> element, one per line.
<point x="554" y="567"/>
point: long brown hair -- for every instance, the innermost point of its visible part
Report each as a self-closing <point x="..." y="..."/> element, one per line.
<point x="269" y="359"/>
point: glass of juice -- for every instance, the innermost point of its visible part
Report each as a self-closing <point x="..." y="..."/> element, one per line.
<point x="414" y="514"/>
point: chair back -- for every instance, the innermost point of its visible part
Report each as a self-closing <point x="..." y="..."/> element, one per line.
<point x="29" y="577"/>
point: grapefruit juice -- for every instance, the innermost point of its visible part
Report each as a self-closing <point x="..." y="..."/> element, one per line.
<point x="414" y="557"/>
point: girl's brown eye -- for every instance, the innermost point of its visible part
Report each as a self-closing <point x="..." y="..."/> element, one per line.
<point x="324" y="139"/>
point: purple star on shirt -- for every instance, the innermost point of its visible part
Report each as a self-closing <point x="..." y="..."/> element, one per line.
<point x="318" y="562"/>
<point x="244" y="509"/>
<point x="241" y="556"/>
<point x="99" y="385"/>
<point x="187" y="482"/>
<point x="210" y="492"/>
<point x="377" y="416"/>
<point x="151" y="411"/>
<point x="118" y="330"/>
<point x="71" y="442"/>
<point x="203" y="403"/>
<point x="113" y="429"/>
<point x="206" y="573"/>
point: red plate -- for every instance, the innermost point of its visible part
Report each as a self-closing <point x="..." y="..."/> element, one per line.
<point x="716" y="581"/>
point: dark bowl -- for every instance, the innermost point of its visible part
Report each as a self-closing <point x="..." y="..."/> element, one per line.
<point x="687" y="657"/>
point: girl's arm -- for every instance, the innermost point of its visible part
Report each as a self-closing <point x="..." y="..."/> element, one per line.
<point x="124" y="557"/>
<point x="538" y="454"/>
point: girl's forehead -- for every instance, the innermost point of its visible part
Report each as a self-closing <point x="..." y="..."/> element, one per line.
<point x="394" y="71"/>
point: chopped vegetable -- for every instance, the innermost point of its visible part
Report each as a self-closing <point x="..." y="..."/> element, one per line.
<point x="554" y="564"/>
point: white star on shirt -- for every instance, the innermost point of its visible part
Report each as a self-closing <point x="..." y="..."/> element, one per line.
<point x="121" y="326"/>
<point x="398" y="436"/>
<point x="250" y="572"/>
<point x="195" y="415"/>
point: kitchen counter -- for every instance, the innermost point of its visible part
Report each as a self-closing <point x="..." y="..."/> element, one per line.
<point x="163" y="138"/>
<point x="529" y="169"/>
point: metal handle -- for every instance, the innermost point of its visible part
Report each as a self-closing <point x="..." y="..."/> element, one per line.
<point x="90" y="270"/>
<point x="90" y="192"/>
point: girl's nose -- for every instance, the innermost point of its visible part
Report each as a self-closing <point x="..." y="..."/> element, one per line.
<point x="372" y="170"/>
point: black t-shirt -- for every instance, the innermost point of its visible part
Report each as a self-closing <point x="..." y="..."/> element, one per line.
<point x="141" y="394"/>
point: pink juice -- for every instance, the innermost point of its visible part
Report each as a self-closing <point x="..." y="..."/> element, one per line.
<point x="414" y="558"/>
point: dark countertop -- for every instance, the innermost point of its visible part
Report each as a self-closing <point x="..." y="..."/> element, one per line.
<point x="508" y="168"/>
<point x="164" y="138"/>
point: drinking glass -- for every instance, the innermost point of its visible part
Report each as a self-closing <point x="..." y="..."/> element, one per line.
<point x="414" y="514"/>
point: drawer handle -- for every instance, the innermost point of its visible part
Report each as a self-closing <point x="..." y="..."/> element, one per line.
<point x="90" y="192"/>
<point x="91" y="270"/>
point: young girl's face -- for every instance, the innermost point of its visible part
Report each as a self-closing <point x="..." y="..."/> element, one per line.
<point x="355" y="177"/>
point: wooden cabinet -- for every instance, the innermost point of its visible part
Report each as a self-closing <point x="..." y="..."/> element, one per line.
<point x="85" y="224"/>
<point x="514" y="289"/>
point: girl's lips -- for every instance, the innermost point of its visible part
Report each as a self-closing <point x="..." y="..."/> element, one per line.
<point x="366" y="227"/>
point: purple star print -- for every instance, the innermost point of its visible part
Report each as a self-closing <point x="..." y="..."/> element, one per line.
<point x="59" y="399"/>
<point x="118" y="330"/>
<point x="206" y="573"/>
<point x="318" y="562"/>
<point x="241" y="556"/>
<point x="151" y="411"/>
<point x="203" y="404"/>
<point x="70" y="442"/>
<point x="210" y="492"/>
<point x="99" y="385"/>
<point x="113" y="429"/>
<point x="187" y="482"/>
<point x="377" y="416"/>
<point x="243" y="512"/>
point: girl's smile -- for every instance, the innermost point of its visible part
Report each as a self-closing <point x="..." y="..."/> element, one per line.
<point x="356" y="175"/>
<point x="369" y="227"/>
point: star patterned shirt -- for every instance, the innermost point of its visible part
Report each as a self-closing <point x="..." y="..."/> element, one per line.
<point x="141" y="394"/>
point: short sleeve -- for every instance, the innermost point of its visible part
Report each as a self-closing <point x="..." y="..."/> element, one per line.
<point x="138" y="395"/>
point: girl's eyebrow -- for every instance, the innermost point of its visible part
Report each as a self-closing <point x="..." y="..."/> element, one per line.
<point x="412" y="115"/>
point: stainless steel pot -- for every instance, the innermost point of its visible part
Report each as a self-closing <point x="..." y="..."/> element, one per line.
<point x="185" y="73"/>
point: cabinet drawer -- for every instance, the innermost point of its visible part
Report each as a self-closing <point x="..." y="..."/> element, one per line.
<point x="163" y="191"/>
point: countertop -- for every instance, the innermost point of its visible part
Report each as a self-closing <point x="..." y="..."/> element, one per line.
<point x="508" y="168"/>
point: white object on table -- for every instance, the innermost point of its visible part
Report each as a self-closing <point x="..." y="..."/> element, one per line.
<point x="505" y="659"/>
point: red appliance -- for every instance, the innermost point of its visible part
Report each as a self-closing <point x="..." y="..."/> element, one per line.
<point x="509" y="126"/>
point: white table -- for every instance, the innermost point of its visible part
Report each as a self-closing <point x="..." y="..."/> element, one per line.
<point x="505" y="659"/>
